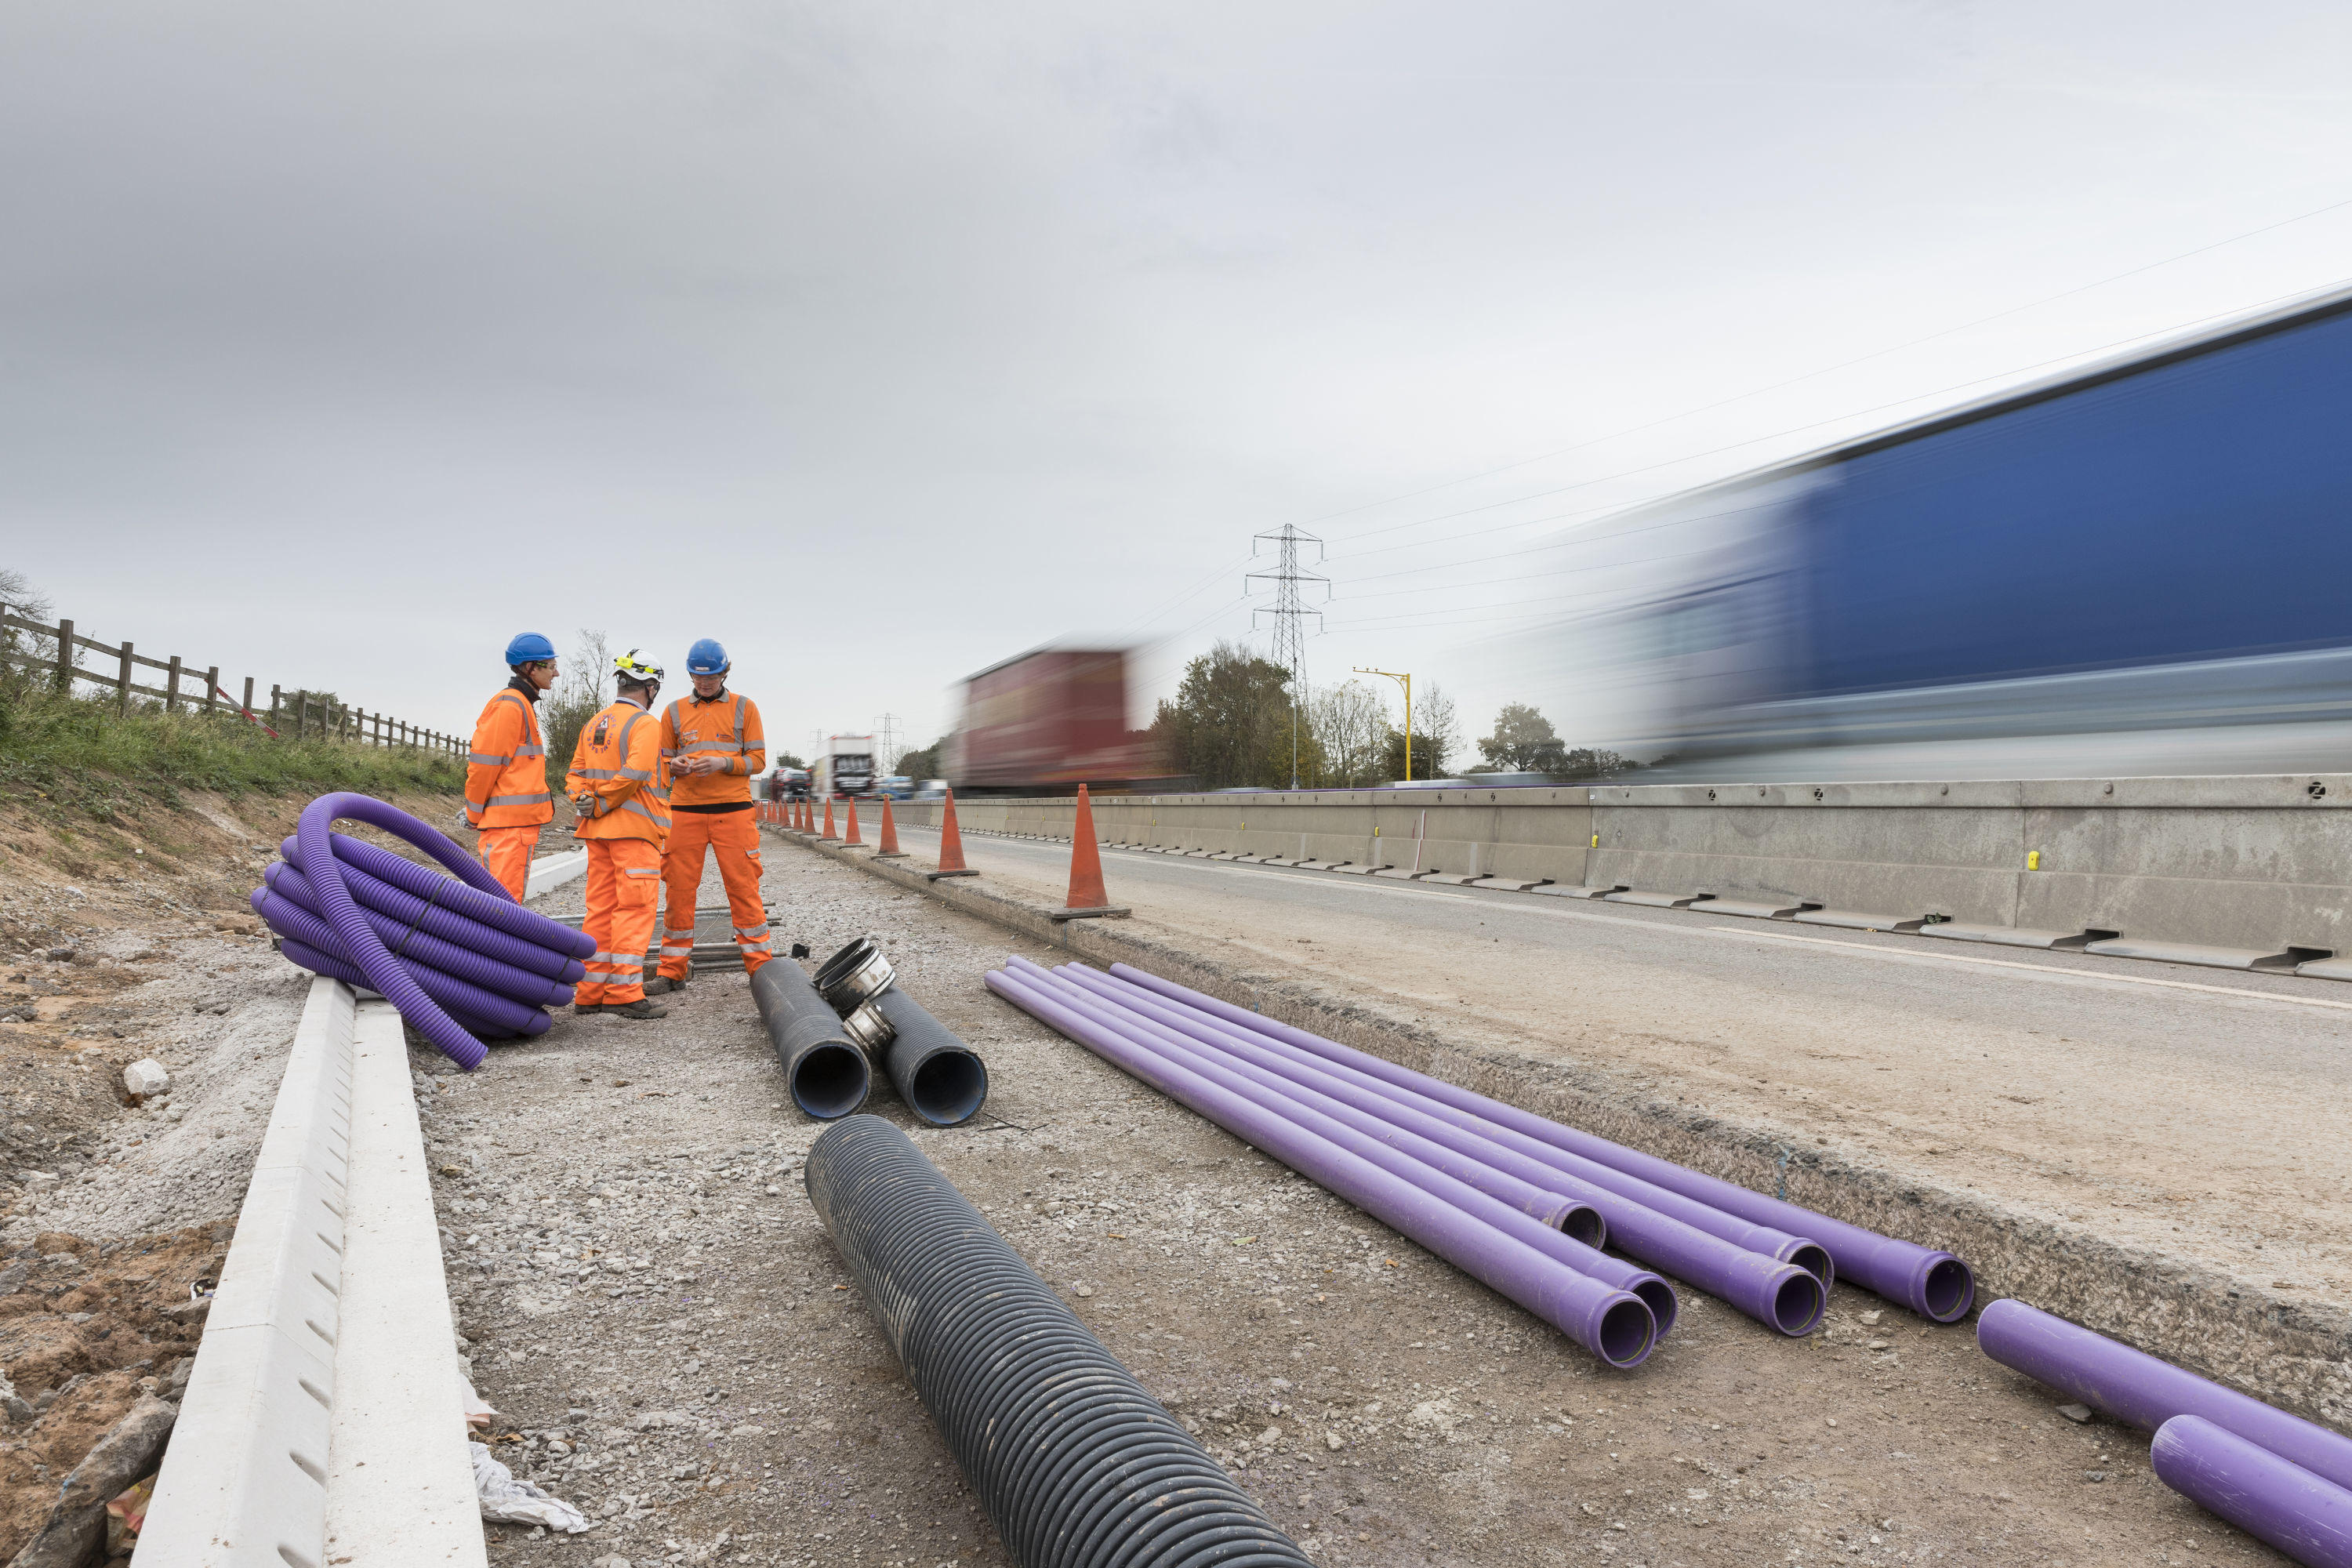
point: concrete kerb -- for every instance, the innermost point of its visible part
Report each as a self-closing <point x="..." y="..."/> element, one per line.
<point x="2294" y="1354"/>
<point x="329" y="1340"/>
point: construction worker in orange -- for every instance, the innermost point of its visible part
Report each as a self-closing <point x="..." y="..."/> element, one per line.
<point x="617" y="783"/>
<point x="506" y="801"/>
<point x="713" y="743"/>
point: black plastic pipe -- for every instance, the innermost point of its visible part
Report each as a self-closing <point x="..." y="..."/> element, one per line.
<point x="827" y="1076"/>
<point x="1077" y="1466"/>
<point x="940" y="1077"/>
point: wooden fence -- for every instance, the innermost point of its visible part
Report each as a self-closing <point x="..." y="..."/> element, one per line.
<point x="297" y="715"/>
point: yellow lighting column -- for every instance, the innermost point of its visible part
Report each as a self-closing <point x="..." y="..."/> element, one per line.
<point x="1404" y="679"/>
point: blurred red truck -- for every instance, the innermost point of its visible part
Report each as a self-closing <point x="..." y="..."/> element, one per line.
<point x="1046" y="721"/>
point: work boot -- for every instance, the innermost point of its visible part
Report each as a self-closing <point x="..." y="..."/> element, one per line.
<point x="662" y="984"/>
<point x="588" y="1007"/>
<point x="640" y="1008"/>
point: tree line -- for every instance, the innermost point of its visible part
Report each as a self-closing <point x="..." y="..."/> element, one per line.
<point x="1233" y="724"/>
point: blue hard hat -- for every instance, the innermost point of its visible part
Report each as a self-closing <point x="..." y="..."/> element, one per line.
<point x="707" y="657"/>
<point x="529" y="647"/>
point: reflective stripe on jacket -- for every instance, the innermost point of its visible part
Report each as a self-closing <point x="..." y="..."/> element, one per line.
<point x="617" y="779"/>
<point x="726" y="727"/>
<point x="506" y="771"/>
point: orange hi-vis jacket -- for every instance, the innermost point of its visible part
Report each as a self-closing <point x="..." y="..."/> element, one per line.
<point x="617" y="778"/>
<point x="724" y="726"/>
<point x="506" y="771"/>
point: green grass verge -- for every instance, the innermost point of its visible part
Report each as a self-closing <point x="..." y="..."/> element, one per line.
<point x="81" y="752"/>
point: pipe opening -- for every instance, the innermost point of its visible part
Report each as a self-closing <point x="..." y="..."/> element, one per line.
<point x="1814" y="1259"/>
<point x="830" y="1080"/>
<point x="1627" y="1333"/>
<point x="949" y="1087"/>
<point x="1798" y="1304"/>
<point x="1584" y="1223"/>
<point x="1660" y="1298"/>
<point x="1947" y="1289"/>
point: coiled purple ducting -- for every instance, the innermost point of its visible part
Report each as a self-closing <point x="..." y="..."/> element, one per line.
<point x="336" y="936"/>
<point x="494" y="1017"/>
<point x="484" y="899"/>
<point x="409" y="911"/>
<point x="414" y="946"/>
<point x="407" y="938"/>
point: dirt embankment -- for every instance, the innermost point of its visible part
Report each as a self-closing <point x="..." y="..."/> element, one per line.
<point x="84" y="1327"/>
<point x="125" y="936"/>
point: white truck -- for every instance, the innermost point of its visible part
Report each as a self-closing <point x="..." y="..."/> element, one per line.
<point x="847" y="766"/>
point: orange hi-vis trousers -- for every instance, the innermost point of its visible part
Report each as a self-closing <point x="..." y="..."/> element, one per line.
<point x="734" y="837"/>
<point x="623" y="896"/>
<point x="505" y="852"/>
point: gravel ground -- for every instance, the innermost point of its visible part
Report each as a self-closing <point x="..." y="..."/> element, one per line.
<point x="646" y="1295"/>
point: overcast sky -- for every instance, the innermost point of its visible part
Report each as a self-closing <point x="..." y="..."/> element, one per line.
<point x="337" y="344"/>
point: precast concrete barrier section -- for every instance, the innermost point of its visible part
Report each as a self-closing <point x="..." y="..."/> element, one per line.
<point x="329" y="1342"/>
<point x="2238" y="873"/>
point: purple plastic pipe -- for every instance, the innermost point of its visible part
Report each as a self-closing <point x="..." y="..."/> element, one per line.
<point x="1463" y="1125"/>
<point x="2307" y="1517"/>
<point x="447" y="924"/>
<point x="313" y="839"/>
<point x="414" y="946"/>
<point x="1333" y="1123"/>
<point x="1780" y="1295"/>
<point x="2137" y="1389"/>
<point x="1565" y="1211"/>
<point x="482" y="899"/>
<point x="1669" y="1230"/>
<point x="1934" y="1284"/>
<point x="459" y="999"/>
<point x="1615" y="1325"/>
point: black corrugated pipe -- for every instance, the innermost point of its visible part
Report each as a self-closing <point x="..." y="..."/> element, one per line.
<point x="827" y="1076"/>
<point x="941" y="1078"/>
<point x="1077" y="1466"/>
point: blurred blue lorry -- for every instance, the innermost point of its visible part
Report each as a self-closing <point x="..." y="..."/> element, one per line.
<point x="2143" y="566"/>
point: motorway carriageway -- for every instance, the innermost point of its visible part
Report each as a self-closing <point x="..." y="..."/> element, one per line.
<point x="2203" y="1115"/>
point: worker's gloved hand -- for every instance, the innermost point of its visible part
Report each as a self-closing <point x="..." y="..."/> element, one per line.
<point x="463" y="824"/>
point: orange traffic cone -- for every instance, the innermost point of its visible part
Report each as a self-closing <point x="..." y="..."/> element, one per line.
<point x="951" y="844"/>
<point x="1087" y="897"/>
<point x="800" y="815"/>
<point x="828" y="832"/>
<point x="853" y="837"/>
<point x="888" y="849"/>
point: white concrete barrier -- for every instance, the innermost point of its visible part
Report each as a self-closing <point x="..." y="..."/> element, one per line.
<point x="329" y="1337"/>
<point x="244" y="1482"/>
<point x="400" y="1478"/>
<point x="2230" y="870"/>
<point x="550" y="872"/>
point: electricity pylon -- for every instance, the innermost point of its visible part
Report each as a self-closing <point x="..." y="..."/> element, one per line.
<point x="1289" y="611"/>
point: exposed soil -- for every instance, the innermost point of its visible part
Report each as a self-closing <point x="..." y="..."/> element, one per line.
<point x="122" y="939"/>
<point x="84" y="1327"/>
<point x="647" y="1294"/>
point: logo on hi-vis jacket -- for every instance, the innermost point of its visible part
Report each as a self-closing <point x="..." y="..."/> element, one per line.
<point x="603" y="723"/>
